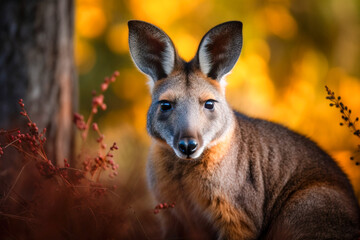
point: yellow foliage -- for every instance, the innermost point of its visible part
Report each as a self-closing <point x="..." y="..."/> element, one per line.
<point x="250" y="87"/>
<point x="131" y="85"/>
<point x="349" y="90"/>
<point x="349" y="167"/>
<point x="299" y="103"/>
<point x="186" y="45"/>
<point x="90" y="21"/>
<point x="162" y="12"/>
<point x="84" y="56"/>
<point x="139" y="112"/>
<point x="260" y="47"/>
<point x="89" y="2"/>
<point x="277" y="20"/>
<point x="117" y="38"/>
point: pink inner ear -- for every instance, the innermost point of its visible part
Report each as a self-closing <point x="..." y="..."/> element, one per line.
<point x="220" y="49"/>
<point x="151" y="49"/>
<point x="154" y="45"/>
<point x="218" y="45"/>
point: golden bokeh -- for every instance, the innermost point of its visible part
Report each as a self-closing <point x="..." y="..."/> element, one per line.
<point x="278" y="21"/>
<point x="116" y="38"/>
<point x="291" y="50"/>
<point x="84" y="56"/>
<point x="162" y="12"/>
<point x="186" y="45"/>
<point x="90" y="21"/>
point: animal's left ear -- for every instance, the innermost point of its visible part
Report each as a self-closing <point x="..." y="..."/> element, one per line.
<point x="151" y="49"/>
<point x="220" y="49"/>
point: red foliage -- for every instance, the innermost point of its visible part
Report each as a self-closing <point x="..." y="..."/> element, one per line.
<point x="45" y="201"/>
<point x="163" y="206"/>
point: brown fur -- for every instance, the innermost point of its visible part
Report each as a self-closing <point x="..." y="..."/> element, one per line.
<point x="247" y="178"/>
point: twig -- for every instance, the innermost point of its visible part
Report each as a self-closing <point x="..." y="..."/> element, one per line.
<point x="13" y="185"/>
<point x="345" y="115"/>
<point x="26" y="219"/>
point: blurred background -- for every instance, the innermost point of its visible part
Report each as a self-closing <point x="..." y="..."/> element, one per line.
<point x="291" y="50"/>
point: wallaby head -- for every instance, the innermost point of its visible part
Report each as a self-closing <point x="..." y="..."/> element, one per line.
<point x="189" y="111"/>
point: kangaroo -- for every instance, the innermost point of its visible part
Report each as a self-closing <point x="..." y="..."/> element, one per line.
<point x="231" y="176"/>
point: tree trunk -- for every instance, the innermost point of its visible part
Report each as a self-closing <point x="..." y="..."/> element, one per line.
<point x="36" y="64"/>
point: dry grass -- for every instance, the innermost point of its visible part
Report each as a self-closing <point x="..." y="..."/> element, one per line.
<point x="40" y="200"/>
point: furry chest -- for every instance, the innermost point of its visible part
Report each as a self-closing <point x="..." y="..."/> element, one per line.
<point x="183" y="182"/>
<point x="192" y="193"/>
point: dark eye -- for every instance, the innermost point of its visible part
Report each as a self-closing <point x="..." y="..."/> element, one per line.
<point x="209" y="104"/>
<point x="165" y="106"/>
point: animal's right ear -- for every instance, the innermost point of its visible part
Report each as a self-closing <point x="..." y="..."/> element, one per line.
<point x="220" y="49"/>
<point x="151" y="49"/>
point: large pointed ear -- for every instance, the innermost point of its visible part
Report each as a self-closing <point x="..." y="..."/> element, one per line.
<point x="220" y="49"/>
<point x="151" y="49"/>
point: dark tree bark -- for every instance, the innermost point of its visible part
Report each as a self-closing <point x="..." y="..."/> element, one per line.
<point x="36" y="64"/>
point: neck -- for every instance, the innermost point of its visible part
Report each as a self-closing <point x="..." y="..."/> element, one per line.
<point x="220" y="148"/>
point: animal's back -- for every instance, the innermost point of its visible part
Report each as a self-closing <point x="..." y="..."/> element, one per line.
<point x="306" y="194"/>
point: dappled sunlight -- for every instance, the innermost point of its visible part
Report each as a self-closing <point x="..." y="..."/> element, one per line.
<point x="349" y="89"/>
<point x="132" y="86"/>
<point x="259" y="47"/>
<point x="255" y="92"/>
<point x="117" y="38"/>
<point x="291" y="50"/>
<point x="162" y="12"/>
<point x="139" y="118"/>
<point x="291" y="109"/>
<point x="112" y="164"/>
<point x="353" y="173"/>
<point x="277" y="20"/>
<point x="186" y="45"/>
<point x="90" y="21"/>
<point x="126" y="138"/>
<point x="84" y="56"/>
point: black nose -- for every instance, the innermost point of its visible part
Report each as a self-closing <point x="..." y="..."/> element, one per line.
<point x="188" y="146"/>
